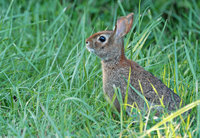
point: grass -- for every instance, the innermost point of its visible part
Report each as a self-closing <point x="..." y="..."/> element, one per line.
<point x="51" y="86"/>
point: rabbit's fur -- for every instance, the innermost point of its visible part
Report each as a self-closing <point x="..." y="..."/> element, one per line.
<point x="116" y="68"/>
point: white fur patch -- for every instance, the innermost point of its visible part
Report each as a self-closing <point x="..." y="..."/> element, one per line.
<point x="90" y="49"/>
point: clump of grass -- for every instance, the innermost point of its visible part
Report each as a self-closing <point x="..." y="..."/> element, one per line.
<point x="51" y="86"/>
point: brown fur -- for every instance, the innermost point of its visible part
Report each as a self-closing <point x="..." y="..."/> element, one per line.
<point x="116" y="67"/>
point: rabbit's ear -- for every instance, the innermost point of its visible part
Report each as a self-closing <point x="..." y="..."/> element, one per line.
<point x="123" y="25"/>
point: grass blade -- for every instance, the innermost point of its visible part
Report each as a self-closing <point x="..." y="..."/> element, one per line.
<point x="172" y="116"/>
<point x="190" y="61"/>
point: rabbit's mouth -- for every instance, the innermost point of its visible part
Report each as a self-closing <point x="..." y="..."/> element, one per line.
<point x="90" y="49"/>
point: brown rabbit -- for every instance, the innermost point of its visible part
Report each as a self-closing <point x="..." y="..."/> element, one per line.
<point x="109" y="46"/>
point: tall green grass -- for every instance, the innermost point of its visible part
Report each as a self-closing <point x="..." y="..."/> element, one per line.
<point x="51" y="86"/>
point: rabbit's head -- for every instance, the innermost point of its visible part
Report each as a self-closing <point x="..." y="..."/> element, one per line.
<point x="109" y="44"/>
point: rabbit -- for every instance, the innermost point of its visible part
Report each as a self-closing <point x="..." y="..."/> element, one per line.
<point x="109" y="46"/>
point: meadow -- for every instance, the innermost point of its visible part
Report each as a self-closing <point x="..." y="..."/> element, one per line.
<point x="50" y="85"/>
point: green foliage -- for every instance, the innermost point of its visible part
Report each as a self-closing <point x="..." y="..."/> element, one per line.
<point x="51" y="86"/>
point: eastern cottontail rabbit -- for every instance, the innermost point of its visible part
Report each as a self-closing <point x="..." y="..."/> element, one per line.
<point x="109" y="46"/>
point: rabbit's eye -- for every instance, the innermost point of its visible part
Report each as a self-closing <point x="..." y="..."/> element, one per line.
<point x="102" y="39"/>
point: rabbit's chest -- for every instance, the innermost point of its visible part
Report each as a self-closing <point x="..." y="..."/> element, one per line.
<point x="114" y="78"/>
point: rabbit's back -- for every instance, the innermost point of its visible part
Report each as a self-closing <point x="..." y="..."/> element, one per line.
<point x="153" y="88"/>
<point x="144" y="82"/>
